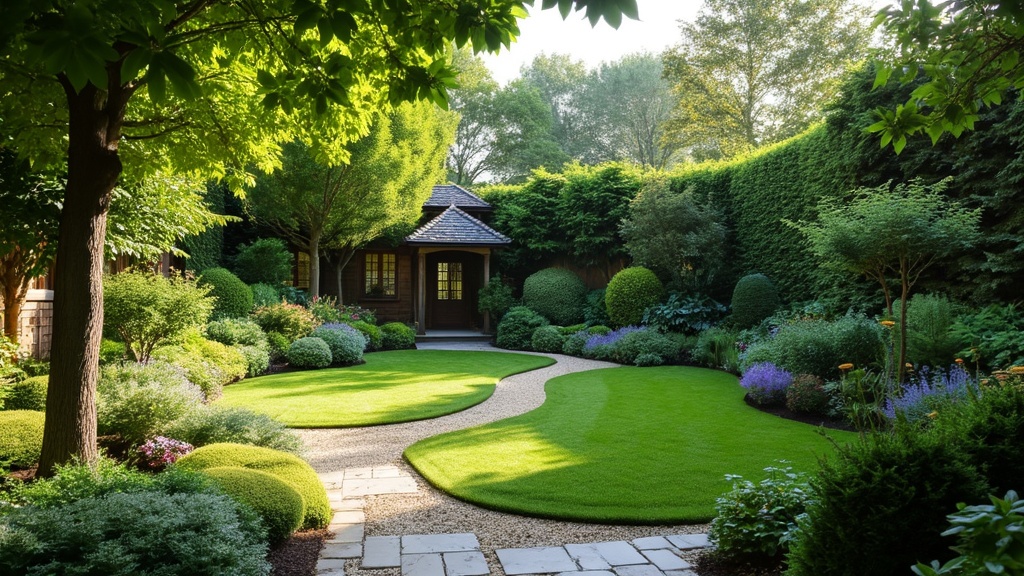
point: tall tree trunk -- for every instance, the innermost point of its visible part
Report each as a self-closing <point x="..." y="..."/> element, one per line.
<point x="93" y="169"/>
<point x="314" y="265"/>
<point x="14" y="299"/>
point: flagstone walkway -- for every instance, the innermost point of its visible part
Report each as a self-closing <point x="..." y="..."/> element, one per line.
<point x="376" y="474"/>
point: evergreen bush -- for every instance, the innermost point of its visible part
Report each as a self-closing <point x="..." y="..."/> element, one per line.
<point x="208" y="364"/>
<point x="496" y="297"/>
<point x="596" y="312"/>
<point x="371" y="334"/>
<point x="646" y="342"/>
<point x="264" y="295"/>
<point x="265" y="261"/>
<point x="515" y="332"/>
<point x="556" y="294"/>
<point x="548" y="339"/>
<point x="138" y="401"/>
<point x="346" y="343"/>
<point x="233" y="297"/>
<point x="287" y="467"/>
<point x="290" y="320"/>
<point x="397" y="336"/>
<point x="276" y="502"/>
<point x="213" y="424"/>
<point x="28" y="394"/>
<point x="279" y="344"/>
<point x="21" y="438"/>
<point x="930" y="341"/>
<point x="819" y="346"/>
<point x="631" y="292"/>
<point x="574" y="343"/>
<point x="310" y="352"/>
<point x="754" y="299"/>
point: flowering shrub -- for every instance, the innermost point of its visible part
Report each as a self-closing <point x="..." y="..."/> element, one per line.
<point x="291" y="320"/>
<point x="807" y="394"/>
<point x="602" y="346"/>
<point x="325" y="308"/>
<point x="353" y="313"/>
<point x="161" y="452"/>
<point x="766" y="383"/>
<point x="920" y="400"/>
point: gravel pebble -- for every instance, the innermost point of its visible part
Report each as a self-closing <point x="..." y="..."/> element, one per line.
<point x="431" y="511"/>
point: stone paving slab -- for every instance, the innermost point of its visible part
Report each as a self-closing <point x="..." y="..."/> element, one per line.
<point x="434" y="543"/>
<point x="422" y="565"/>
<point x="465" y="564"/>
<point x="666" y="560"/>
<point x="388" y="472"/>
<point x="638" y="570"/>
<point x="330" y="566"/>
<point x="680" y="573"/>
<point x="342" y="550"/>
<point x="619" y="553"/>
<point x="382" y="552"/>
<point x="346" y="533"/>
<point x="377" y="486"/>
<point x="587" y="557"/>
<point x="689" y="541"/>
<point x="348" y="517"/>
<point x="652" y="543"/>
<point x="543" y="560"/>
<point x="588" y="573"/>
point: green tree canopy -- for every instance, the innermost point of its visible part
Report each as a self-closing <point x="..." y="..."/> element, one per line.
<point x="752" y="72"/>
<point x="388" y="176"/>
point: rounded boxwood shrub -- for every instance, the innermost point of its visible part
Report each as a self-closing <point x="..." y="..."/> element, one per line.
<point x="515" y="331"/>
<point x="234" y="298"/>
<point x="264" y="295"/>
<point x="556" y="294"/>
<point x="346" y="343"/>
<point x="141" y="533"/>
<point x="309" y="352"/>
<point x="212" y="424"/>
<point x="21" y="437"/>
<point x="574" y="343"/>
<point x="372" y="334"/>
<point x="630" y="292"/>
<point x="397" y="336"/>
<point x="277" y="504"/>
<point x="287" y="467"/>
<point x="548" y="339"/>
<point x="754" y="299"/>
<point x="29" y="394"/>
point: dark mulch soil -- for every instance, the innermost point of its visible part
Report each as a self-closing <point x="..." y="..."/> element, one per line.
<point x="297" y="556"/>
<point x="812" y="419"/>
<point x="712" y="564"/>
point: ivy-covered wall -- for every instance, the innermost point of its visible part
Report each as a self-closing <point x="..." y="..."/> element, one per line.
<point x="205" y="250"/>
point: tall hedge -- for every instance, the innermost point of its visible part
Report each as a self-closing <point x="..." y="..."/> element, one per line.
<point x="205" y="249"/>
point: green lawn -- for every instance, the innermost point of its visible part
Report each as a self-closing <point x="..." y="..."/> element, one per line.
<point x="629" y="445"/>
<point x="390" y="387"/>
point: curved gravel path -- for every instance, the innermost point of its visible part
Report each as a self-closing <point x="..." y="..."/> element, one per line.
<point x="430" y="511"/>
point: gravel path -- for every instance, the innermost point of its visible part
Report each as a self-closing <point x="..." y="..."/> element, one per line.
<point x="431" y="511"/>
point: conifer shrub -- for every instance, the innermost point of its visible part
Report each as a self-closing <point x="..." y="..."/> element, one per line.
<point x="28" y="394"/>
<point x="548" y="339"/>
<point x="265" y="261"/>
<point x="346" y="343"/>
<point x="556" y="294"/>
<point x="515" y="331"/>
<point x="631" y="292"/>
<point x="233" y="297"/>
<point x="754" y="299"/>
<point x="21" y="437"/>
<point x="276" y="502"/>
<point x="309" y="352"/>
<point x="397" y="336"/>
<point x="287" y="467"/>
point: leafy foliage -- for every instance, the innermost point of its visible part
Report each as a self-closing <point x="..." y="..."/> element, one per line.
<point x="264" y="261"/>
<point x="28" y="394"/>
<point x="233" y="297"/>
<point x="290" y="320"/>
<point x="759" y="520"/>
<point x="309" y="352"/>
<point x="139" y="401"/>
<point x="630" y="292"/>
<point x="146" y="309"/>
<point x="213" y="425"/>
<point x="993" y="336"/>
<point x="930" y="341"/>
<point x="691" y="313"/>
<point x="515" y="332"/>
<point x="264" y="295"/>
<point x="754" y="299"/>
<point x="397" y="336"/>
<point x="278" y="505"/>
<point x="807" y="394"/>
<point x="346" y="342"/>
<point x="208" y="364"/>
<point x="496" y="297"/>
<point x="548" y="339"/>
<point x="556" y="294"/>
<point x="818" y="347"/>
<point x="372" y="337"/>
<point x="21" y="437"/>
<point x="991" y="539"/>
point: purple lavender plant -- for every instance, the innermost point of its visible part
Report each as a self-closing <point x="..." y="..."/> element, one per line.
<point x="601" y="346"/>
<point x="922" y="399"/>
<point x="766" y="383"/>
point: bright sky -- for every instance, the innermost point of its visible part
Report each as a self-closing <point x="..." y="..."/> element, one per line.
<point x="545" y="32"/>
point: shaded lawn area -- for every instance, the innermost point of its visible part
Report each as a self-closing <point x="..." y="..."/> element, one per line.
<point x="620" y="445"/>
<point x="390" y="387"/>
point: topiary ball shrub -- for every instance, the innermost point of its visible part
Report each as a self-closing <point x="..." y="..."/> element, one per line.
<point x="139" y="533"/>
<point x="264" y="295"/>
<point x="275" y="501"/>
<point x="346" y="343"/>
<point x="372" y="334"/>
<point x="574" y="343"/>
<point x="397" y="336"/>
<point x="753" y="299"/>
<point x="766" y="384"/>
<point x="556" y="294"/>
<point x="287" y="467"/>
<point x="515" y="331"/>
<point x="266" y="261"/>
<point x="309" y="352"/>
<point x="548" y="339"/>
<point x="234" y="298"/>
<point x="21" y="437"/>
<point x="629" y="293"/>
<point x="29" y="394"/>
<point x="807" y="394"/>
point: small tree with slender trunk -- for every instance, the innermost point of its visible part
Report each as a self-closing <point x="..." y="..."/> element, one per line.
<point x="890" y="232"/>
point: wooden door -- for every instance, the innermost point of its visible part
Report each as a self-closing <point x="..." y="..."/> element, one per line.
<point x="448" y="293"/>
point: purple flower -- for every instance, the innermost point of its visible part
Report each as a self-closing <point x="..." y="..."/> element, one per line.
<point x="610" y="338"/>
<point x="929" y="392"/>
<point x="766" y="383"/>
<point x="162" y="451"/>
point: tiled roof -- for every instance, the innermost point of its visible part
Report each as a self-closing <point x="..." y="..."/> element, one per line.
<point x="445" y="195"/>
<point x="453" y="226"/>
